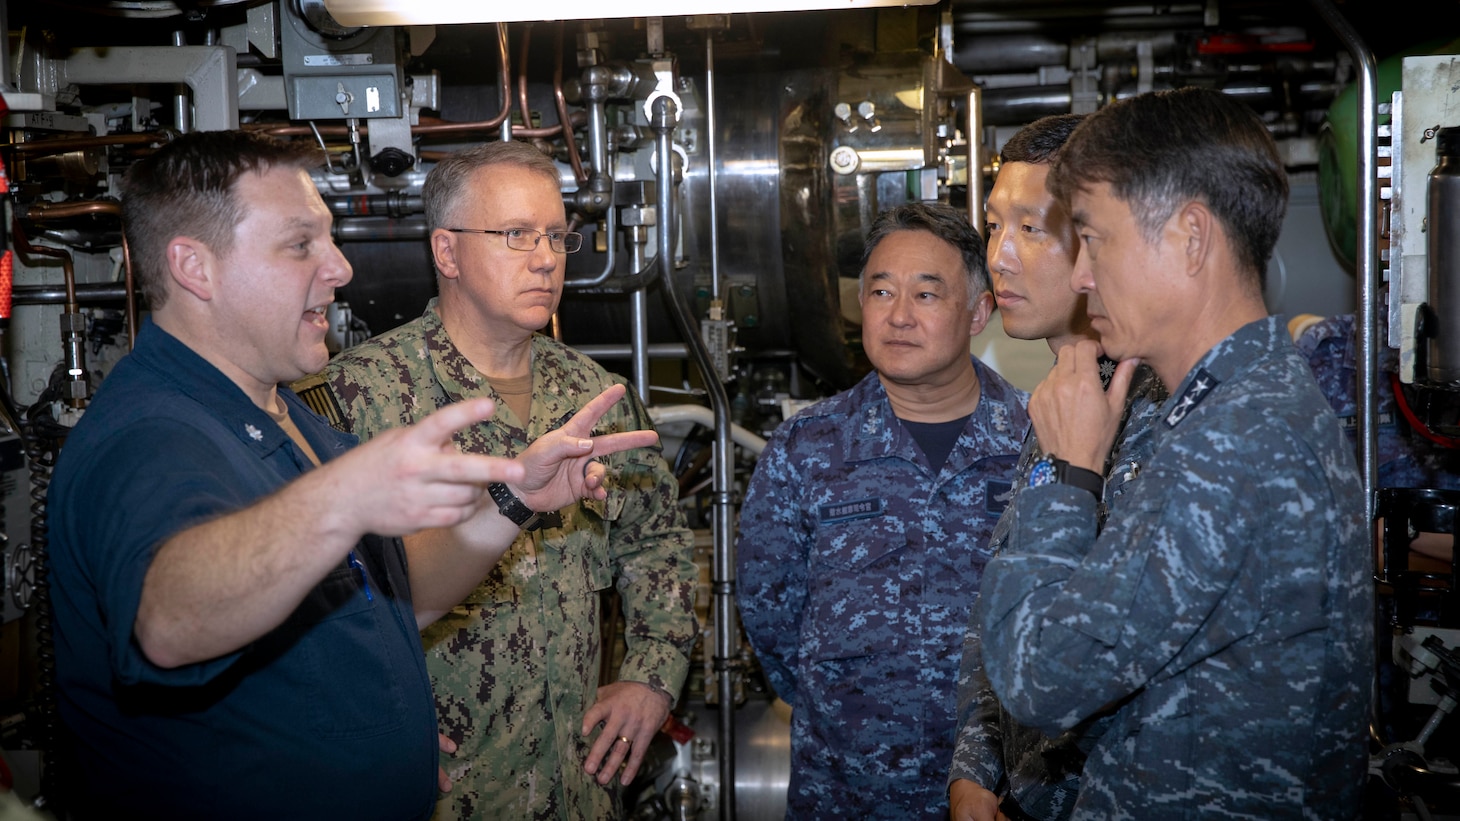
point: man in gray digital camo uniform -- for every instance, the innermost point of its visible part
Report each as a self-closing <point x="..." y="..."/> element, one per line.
<point x="999" y="762"/>
<point x="1224" y="612"/>
<point x="516" y="666"/>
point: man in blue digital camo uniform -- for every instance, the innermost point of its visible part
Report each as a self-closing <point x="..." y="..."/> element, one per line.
<point x="1224" y="612"/>
<point x="1406" y="458"/>
<point x="865" y="530"/>
<point x="999" y="762"/>
<point x="236" y="635"/>
<point x="516" y="666"/>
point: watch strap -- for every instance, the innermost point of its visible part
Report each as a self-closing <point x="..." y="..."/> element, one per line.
<point x="1050" y="469"/>
<point x="1079" y="477"/>
<point x="513" y="508"/>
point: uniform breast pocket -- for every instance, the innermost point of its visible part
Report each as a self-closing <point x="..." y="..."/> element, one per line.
<point x="340" y="636"/>
<point x="987" y="486"/>
<point x="600" y="569"/>
<point x="585" y="538"/>
<point x="855" y="591"/>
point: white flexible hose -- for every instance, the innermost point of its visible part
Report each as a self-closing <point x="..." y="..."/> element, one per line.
<point x="701" y="415"/>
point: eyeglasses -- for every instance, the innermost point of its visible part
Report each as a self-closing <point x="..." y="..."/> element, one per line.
<point x="526" y="239"/>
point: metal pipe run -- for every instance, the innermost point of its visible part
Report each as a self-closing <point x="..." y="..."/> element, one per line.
<point x="665" y="113"/>
<point x="710" y="162"/>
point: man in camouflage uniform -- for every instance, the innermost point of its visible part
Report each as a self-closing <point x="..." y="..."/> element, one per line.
<point x="865" y="529"/>
<point x="516" y="666"/>
<point x="1225" y="609"/>
<point x="1405" y="458"/>
<point x="1031" y="252"/>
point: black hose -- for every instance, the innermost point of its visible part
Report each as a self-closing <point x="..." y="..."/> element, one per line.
<point x="40" y="454"/>
<point x="42" y="436"/>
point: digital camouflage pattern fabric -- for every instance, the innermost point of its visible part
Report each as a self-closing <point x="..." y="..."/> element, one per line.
<point x="516" y="665"/>
<point x="857" y="564"/>
<point x="1405" y="458"/>
<point x="1226" y="606"/>
<point x="1041" y="773"/>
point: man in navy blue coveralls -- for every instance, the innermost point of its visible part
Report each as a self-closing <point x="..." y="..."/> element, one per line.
<point x="236" y="631"/>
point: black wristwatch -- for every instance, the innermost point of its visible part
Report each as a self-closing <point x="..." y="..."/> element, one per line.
<point x="513" y="508"/>
<point x="1051" y="469"/>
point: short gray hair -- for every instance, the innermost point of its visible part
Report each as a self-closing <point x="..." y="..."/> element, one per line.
<point x="450" y="177"/>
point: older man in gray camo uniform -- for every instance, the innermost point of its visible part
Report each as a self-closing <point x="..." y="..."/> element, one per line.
<point x="1224" y="612"/>
<point x="515" y="667"/>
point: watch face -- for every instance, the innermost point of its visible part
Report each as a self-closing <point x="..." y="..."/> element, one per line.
<point x="1042" y="473"/>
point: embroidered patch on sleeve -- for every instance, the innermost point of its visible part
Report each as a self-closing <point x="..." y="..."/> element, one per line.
<point x="321" y="400"/>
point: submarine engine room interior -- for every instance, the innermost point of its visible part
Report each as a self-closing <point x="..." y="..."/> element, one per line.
<point x="723" y="162"/>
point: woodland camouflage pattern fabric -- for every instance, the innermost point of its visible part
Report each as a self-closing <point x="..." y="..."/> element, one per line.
<point x="1227" y="606"/>
<point x="995" y="751"/>
<point x="857" y="565"/>
<point x="516" y="665"/>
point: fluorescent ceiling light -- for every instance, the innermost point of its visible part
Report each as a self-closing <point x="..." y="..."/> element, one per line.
<point x="427" y="12"/>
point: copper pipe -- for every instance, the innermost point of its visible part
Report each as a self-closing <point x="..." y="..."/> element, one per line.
<point x="42" y="211"/>
<point x="546" y="131"/>
<point x="578" y="118"/>
<point x="442" y="127"/>
<point x="276" y="130"/>
<point x="73" y="324"/>
<point x="522" y="78"/>
<point x="427" y="126"/>
<point x="22" y="244"/>
<point x="131" y="296"/>
<point x="61" y="145"/>
<point x="564" y="121"/>
<point x="505" y="66"/>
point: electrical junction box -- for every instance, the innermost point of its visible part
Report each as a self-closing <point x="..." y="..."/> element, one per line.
<point x="333" y="73"/>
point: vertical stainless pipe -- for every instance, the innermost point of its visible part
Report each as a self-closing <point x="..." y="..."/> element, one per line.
<point x="1368" y="244"/>
<point x="182" y="103"/>
<point x="637" y="238"/>
<point x="596" y="97"/>
<point x="975" y="164"/>
<point x="722" y="579"/>
<point x="710" y="157"/>
<point x="597" y="128"/>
